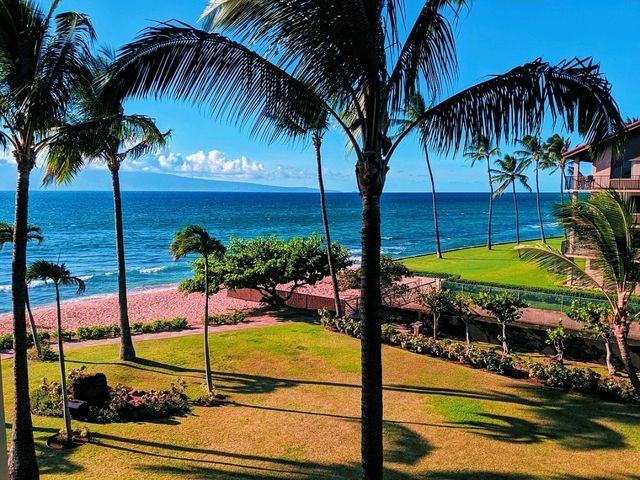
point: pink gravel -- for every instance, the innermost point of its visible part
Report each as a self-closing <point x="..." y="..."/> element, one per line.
<point x="144" y="306"/>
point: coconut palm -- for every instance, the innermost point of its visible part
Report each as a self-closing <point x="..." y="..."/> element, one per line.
<point x="34" y="233"/>
<point x="481" y="150"/>
<point x="360" y="61"/>
<point x="535" y="152"/>
<point x="605" y="226"/>
<point x="556" y="146"/>
<point x="43" y="57"/>
<point x="510" y="171"/>
<point x="194" y="239"/>
<point x="415" y="107"/>
<point x="102" y="132"/>
<point x="59" y="275"/>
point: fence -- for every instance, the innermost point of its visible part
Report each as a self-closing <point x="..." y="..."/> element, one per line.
<point x="548" y="301"/>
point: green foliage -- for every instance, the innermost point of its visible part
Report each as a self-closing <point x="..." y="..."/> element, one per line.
<point x="391" y="272"/>
<point x="558" y="337"/>
<point x="440" y="302"/>
<point x="64" y="333"/>
<point x="595" y="318"/>
<point x="45" y="355"/>
<point x="46" y="399"/>
<point x="555" y="374"/>
<point x="175" y="324"/>
<point x="264" y="263"/>
<point x="388" y="332"/>
<point x="345" y="325"/>
<point x="97" y="332"/>
<point x="228" y="318"/>
<point x="505" y="307"/>
<point x="196" y="284"/>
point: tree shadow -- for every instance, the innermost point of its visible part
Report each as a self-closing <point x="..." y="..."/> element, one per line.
<point x="54" y="461"/>
<point x="404" y="446"/>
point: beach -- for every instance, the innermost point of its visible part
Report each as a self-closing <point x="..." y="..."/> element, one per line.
<point x="160" y="303"/>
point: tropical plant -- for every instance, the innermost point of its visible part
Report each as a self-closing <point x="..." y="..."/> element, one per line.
<point x="59" y="275"/>
<point x="510" y="171"/>
<point x="558" y="338"/>
<point x="555" y="161"/>
<point x="34" y="233"/>
<point x="270" y="264"/>
<point x="414" y="108"/>
<point x="440" y="303"/>
<point x="194" y="239"/>
<point x="605" y="226"/>
<point x="595" y="319"/>
<point x="102" y="132"/>
<point x="391" y="273"/>
<point x="464" y="309"/>
<point x="506" y="308"/>
<point x="481" y="150"/>
<point x="534" y="151"/>
<point x="43" y="57"/>
<point x="358" y="61"/>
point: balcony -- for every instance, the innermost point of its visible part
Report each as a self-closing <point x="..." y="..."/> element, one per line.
<point x="588" y="183"/>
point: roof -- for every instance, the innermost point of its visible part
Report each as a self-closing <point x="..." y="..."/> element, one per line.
<point x="585" y="146"/>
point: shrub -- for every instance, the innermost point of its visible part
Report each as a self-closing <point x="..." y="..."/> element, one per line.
<point x="619" y="390"/>
<point x="65" y="334"/>
<point x="46" y="354"/>
<point x="390" y="273"/>
<point x="6" y="341"/>
<point x="345" y="325"/>
<point x="46" y="399"/>
<point x="388" y="332"/>
<point x="173" y="325"/>
<point x="440" y="302"/>
<point x="555" y="374"/>
<point x="506" y="308"/>
<point x="227" y="318"/>
<point x="94" y="332"/>
<point x="128" y="405"/>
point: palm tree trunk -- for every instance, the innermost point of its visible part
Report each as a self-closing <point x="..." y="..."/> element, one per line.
<point x="207" y="360"/>
<point x="317" y="143"/>
<point x="515" y="205"/>
<point x="22" y="455"/>
<point x="371" y="355"/>
<point x="621" y="331"/>
<point x="434" y="201"/>
<point x="489" y="242"/>
<point x="611" y="369"/>
<point x="562" y="182"/>
<point x="63" y="371"/>
<point x="542" y="237"/>
<point x="127" y="351"/>
<point x="32" y="323"/>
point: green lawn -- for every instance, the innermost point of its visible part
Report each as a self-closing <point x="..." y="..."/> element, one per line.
<point x="500" y="265"/>
<point x="296" y="399"/>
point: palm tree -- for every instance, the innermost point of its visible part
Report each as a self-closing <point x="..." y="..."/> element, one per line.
<point x="603" y="224"/>
<point x="414" y="108"/>
<point x="34" y="233"/>
<point x="510" y="171"/>
<point x="59" y="275"/>
<point x="556" y="146"/>
<point x="42" y="59"/>
<point x="358" y="61"/>
<point x="195" y="239"/>
<point x="534" y="151"/>
<point x="104" y="133"/>
<point x="479" y="150"/>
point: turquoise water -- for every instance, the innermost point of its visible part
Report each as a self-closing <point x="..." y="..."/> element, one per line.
<point x="78" y="228"/>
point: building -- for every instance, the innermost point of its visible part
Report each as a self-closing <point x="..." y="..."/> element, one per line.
<point x="605" y="171"/>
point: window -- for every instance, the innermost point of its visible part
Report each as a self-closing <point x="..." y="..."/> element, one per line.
<point x="621" y="169"/>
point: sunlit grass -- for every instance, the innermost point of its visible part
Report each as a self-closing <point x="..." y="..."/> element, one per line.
<point x="296" y="402"/>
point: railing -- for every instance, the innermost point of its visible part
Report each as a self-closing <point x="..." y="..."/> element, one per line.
<point x="590" y="182"/>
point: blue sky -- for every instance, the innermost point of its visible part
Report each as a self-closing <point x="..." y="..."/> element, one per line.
<point x="492" y="37"/>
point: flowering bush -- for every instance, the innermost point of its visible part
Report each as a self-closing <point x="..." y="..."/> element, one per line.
<point x="46" y="399"/>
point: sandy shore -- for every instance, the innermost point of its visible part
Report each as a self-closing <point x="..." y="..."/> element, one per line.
<point x="144" y="306"/>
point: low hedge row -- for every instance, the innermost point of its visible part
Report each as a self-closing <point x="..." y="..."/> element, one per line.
<point x="227" y="318"/>
<point x="97" y="332"/>
<point x="551" y="373"/>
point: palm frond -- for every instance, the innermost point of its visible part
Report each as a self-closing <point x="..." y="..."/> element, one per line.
<point x="56" y="273"/>
<point x="512" y="105"/>
<point x="195" y="239"/>
<point x="34" y="233"/>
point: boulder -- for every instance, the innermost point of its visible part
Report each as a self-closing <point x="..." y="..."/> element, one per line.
<point x="92" y="388"/>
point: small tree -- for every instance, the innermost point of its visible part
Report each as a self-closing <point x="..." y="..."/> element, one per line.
<point x="265" y="263"/>
<point x="595" y="319"/>
<point x="391" y="272"/>
<point x="464" y="308"/>
<point x="194" y="239"/>
<point x="441" y="303"/>
<point x="58" y="274"/>
<point x="506" y="308"/>
<point x="558" y="337"/>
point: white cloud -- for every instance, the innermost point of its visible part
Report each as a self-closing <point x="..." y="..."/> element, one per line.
<point x="213" y="164"/>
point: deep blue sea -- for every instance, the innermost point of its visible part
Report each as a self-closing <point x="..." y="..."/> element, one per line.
<point x="78" y="228"/>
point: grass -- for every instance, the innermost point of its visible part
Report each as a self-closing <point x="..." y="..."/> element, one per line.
<point x="295" y="414"/>
<point x="500" y="265"/>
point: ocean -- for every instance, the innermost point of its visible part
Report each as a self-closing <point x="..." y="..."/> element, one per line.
<point x="78" y="228"/>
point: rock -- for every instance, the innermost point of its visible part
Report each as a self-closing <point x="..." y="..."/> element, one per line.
<point x="91" y="388"/>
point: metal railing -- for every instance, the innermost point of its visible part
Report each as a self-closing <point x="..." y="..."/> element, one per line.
<point x="597" y="182"/>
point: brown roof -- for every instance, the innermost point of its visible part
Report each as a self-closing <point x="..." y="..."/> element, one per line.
<point x="585" y="146"/>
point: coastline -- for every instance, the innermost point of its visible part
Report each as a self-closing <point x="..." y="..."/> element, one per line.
<point x="145" y="305"/>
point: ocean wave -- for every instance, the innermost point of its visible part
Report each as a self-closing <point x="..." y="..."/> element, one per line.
<point x="86" y="278"/>
<point x="151" y="270"/>
<point x="5" y="288"/>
